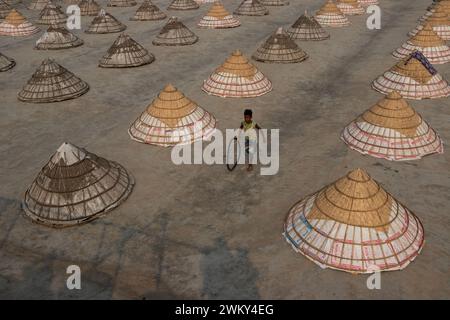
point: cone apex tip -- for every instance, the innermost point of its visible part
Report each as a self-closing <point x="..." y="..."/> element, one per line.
<point x="394" y="95"/>
<point x="358" y="174"/>
<point x="169" y="87"/>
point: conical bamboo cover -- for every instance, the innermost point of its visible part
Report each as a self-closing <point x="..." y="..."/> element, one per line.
<point x="307" y="28"/>
<point x="251" y="8"/>
<point x="426" y="15"/>
<point x="5" y="9"/>
<point x="124" y="53"/>
<point x="105" y="23"/>
<point x="366" y="3"/>
<point x="429" y="43"/>
<point x="121" y="3"/>
<point x="218" y="18"/>
<point x="350" y="7"/>
<point x="414" y="78"/>
<point x="16" y="25"/>
<point x="71" y="2"/>
<point x="440" y="21"/>
<point x="38" y="4"/>
<point x="274" y="3"/>
<point x="6" y="63"/>
<point x="75" y="187"/>
<point x="183" y="5"/>
<point x="392" y="130"/>
<point x="56" y="38"/>
<point x="172" y="119"/>
<point x="237" y="78"/>
<point x="175" y="33"/>
<point x="354" y="225"/>
<point x="89" y="8"/>
<point x="330" y="15"/>
<point x="148" y="12"/>
<point x="51" y="83"/>
<point x="432" y="5"/>
<point x="279" y="47"/>
<point x="445" y="4"/>
<point x="52" y="14"/>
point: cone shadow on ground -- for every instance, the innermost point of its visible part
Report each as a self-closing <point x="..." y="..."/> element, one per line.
<point x="227" y="273"/>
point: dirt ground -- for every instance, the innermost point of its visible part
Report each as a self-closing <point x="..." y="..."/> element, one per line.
<point x="199" y="231"/>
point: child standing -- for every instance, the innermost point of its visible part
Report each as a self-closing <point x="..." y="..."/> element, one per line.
<point x="249" y="127"/>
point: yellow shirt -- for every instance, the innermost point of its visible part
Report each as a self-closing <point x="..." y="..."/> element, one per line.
<point x="249" y="129"/>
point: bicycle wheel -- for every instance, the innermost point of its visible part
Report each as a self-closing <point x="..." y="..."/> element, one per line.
<point x="233" y="154"/>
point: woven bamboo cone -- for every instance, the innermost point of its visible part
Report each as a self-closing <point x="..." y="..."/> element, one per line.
<point x="71" y="2"/>
<point x="440" y="21"/>
<point x="105" y="23"/>
<point x="350" y="7"/>
<point x="331" y="16"/>
<point x="392" y="130"/>
<point x="251" y="8"/>
<point x="354" y="225"/>
<point x="76" y="187"/>
<point x="5" y="9"/>
<point x="366" y="3"/>
<point x="38" y="4"/>
<point x="429" y="43"/>
<point x="52" y="83"/>
<point x="121" y="3"/>
<point x="444" y="5"/>
<point x="414" y="78"/>
<point x="12" y="2"/>
<point x="125" y="53"/>
<point x="183" y="5"/>
<point x="56" y="38"/>
<point x="237" y="78"/>
<point x="6" y="63"/>
<point x="52" y="14"/>
<point x="218" y="18"/>
<point x="148" y="12"/>
<point x="274" y="3"/>
<point x="89" y="8"/>
<point x="16" y="25"/>
<point x="427" y="14"/>
<point x="307" y="28"/>
<point x="172" y="119"/>
<point x="175" y="33"/>
<point x="280" y="48"/>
